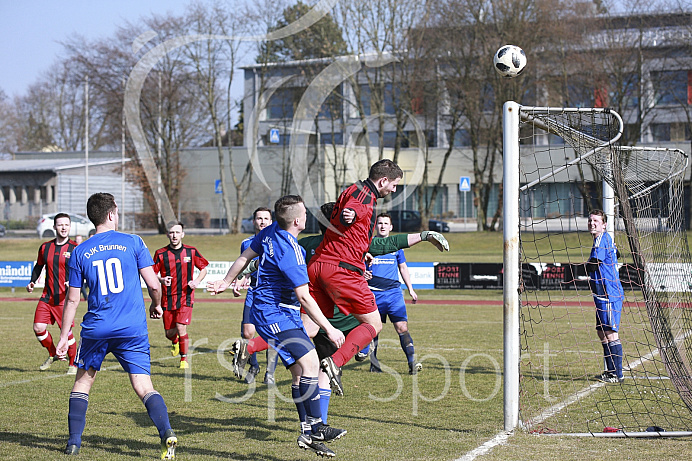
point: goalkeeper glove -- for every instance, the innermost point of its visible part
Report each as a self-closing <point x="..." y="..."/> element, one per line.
<point x="436" y="239"/>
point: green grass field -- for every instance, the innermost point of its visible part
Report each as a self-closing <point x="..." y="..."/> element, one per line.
<point x="451" y="408"/>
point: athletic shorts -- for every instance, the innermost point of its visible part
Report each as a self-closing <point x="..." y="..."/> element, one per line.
<point x="182" y="316"/>
<point x="247" y="315"/>
<point x="391" y="304"/>
<point x="132" y="353"/>
<point x="49" y="314"/>
<point x="607" y="314"/>
<point x="286" y="335"/>
<point x="333" y="285"/>
<point x="324" y="346"/>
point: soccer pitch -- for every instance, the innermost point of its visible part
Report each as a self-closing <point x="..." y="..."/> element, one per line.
<point x="451" y="408"/>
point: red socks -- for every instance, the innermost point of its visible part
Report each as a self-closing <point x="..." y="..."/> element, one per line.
<point x="184" y="341"/>
<point x="46" y="341"/>
<point x="356" y="340"/>
<point x="256" y="344"/>
<point x="71" y="348"/>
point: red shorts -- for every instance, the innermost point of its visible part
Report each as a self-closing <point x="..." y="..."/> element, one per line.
<point x="333" y="285"/>
<point x="182" y="316"/>
<point x="48" y="314"/>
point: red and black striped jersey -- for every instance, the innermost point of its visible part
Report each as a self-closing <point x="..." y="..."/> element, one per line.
<point x="55" y="258"/>
<point x="351" y="242"/>
<point x="180" y="266"/>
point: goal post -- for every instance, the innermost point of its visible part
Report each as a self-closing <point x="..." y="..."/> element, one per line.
<point x="511" y="263"/>
<point x="560" y="163"/>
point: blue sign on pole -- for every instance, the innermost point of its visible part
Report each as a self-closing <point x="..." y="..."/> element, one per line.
<point x="464" y="184"/>
<point x="15" y="273"/>
<point x="217" y="187"/>
<point x="274" y="136"/>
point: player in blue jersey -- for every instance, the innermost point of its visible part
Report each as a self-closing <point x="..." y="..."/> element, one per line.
<point x="608" y="296"/>
<point x="111" y="263"/>
<point x="386" y="287"/>
<point x="261" y="218"/>
<point x="281" y="290"/>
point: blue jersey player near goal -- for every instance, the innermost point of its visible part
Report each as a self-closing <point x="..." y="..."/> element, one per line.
<point x="608" y="296"/>
<point x="111" y="264"/>
<point x="386" y="287"/>
<point x="281" y="291"/>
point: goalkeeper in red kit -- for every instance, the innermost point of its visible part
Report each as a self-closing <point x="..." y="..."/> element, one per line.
<point x="336" y="270"/>
<point x="176" y="265"/>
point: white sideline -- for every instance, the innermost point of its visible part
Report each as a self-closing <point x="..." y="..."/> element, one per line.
<point x="499" y="439"/>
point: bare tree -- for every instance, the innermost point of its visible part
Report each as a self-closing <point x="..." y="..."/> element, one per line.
<point x="213" y="63"/>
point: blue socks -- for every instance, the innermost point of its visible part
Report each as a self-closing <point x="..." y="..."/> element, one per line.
<point x="310" y="394"/>
<point x="407" y="345"/>
<point x="612" y="355"/>
<point x="325" y="396"/>
<point x="158" y="412"/>
<point x="616" y="350"/>
<point x="76" y="417"/>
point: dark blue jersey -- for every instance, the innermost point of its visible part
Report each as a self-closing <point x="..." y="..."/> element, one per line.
<point x="109" y="262"/>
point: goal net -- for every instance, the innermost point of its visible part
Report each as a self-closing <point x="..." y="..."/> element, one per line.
<point x="569" y="162"/>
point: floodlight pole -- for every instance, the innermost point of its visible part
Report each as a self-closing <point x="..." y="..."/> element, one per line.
<point x="511" y="266"/>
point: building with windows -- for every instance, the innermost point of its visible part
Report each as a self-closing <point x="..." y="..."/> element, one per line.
<point x="324" y="104"/>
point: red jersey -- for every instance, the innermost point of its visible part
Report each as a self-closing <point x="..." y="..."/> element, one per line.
<point x="55" y="258"/>
<point x="350" y="244"/>
<point x="180" y="266"/>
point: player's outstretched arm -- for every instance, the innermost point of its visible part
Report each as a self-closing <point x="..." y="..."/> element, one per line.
<point x="382" y="245"/>
<point x="219" y="286"/>
<point x="313" y="310"/>
<point x="433" y="237"/>
<point x="68" y="313"/>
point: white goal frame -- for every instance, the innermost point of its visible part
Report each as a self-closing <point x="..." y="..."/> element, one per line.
<point x="512" y="258"/>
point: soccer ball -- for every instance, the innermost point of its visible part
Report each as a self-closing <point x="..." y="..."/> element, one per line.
<point x="509" y="61"/>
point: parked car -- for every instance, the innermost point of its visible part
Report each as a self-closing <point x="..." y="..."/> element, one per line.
<point x="80" y="226"/>
<point x="405" y="220"/>
<point x="438" y="226"/>
<point x="246" y="226"/>
<point x="3" y="231"/>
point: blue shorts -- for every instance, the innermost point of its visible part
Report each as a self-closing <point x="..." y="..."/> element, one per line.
<point x="283" y="330"/>
<point x="391" y="303"/>
<point x="249" y="297"/>
<point x="132" y="353"/>
<point x="607" y="314"/>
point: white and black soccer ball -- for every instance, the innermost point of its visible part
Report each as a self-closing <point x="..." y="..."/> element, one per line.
<point x="509" y="61"/>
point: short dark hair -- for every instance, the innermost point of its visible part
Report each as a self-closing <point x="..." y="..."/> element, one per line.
<point x="61" y="215"/>
<point x="385" y="215"/>
<point x="385" y="168"/>
<point x="600" y="213"/>
<point x="98" y="207"/>
<point x="284" y="209"/>
<point x="262" y="208"/>
<point x="174" y="223"/>
<point x="326" y="210"/>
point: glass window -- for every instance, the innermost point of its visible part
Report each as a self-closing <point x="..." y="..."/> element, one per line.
<point x="661" y="131"/>
<point x="283" y="103"/>
<point x="332" y="138"/>
<point x="461" y="138"/>
<point x="670" y="87"/>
